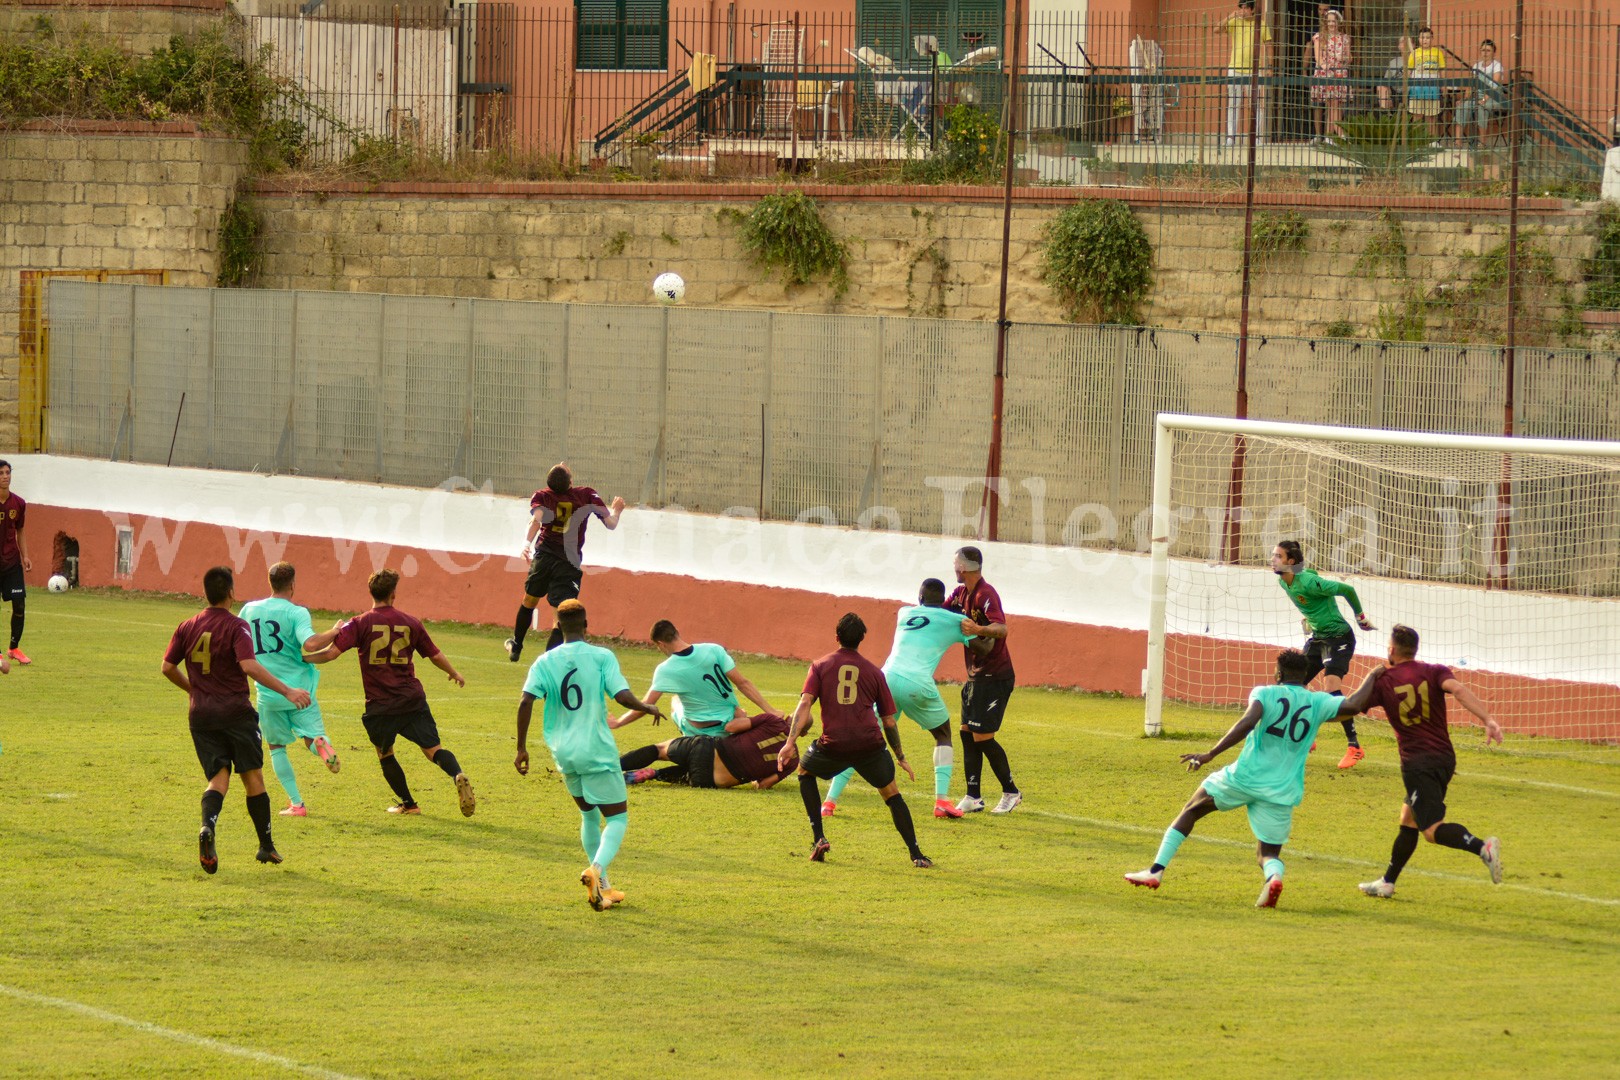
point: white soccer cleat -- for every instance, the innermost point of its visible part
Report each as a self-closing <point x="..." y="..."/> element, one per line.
<point x="970" y="804"/>
<point x="510" y="645"/>
<point x="1491" y="855"/>
<point x="1147" y="878"/>
<point x="1269" y="892"/>
<point x="1009" y="799"/>
<point x="1380" y="888"/>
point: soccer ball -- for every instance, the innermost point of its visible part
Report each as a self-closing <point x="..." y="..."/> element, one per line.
<point x="58" y="583"/>
<point x="669" y="288"/>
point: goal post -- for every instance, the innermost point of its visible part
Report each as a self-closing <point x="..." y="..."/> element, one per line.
<point x="1503" y="553"/>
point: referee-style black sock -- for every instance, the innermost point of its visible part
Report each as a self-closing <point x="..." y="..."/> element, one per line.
<point x="16" y="623"/>
<point x="1456" y="836"/>
<point x="810" y="792"/>
<point x="554" y="638"/>
<point x="640" y="758"/>
<point x="1406" y="842"/>
<point x="212" y="802"/>
<point x="902" y="821"/>
<point x="972" y="764"/>
<point x="445" y="760"/>
<point x="996" y="755"/>
<point x="395" y="775"/>
<point x="1350" y="729"/>
<point x="520" y="627"/>
<point x="259" y="811"/>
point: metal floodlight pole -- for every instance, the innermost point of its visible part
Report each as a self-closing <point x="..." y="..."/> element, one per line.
<point x="1504" y="496"/>
<point x="991" y="498"/>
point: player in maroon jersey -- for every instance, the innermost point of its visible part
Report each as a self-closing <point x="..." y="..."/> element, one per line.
<point x="850" y="687"/>
<point x="558" y="514"/>
<point x="216" y="648"/>
<point x="396" y="704"/>
<point x="1413" y="697"/>
<point x="746" y="754"/>
<point x="989" y="684"/>
<point x="14" y="560"/>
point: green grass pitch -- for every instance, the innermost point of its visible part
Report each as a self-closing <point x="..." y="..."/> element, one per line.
<point x="438" y="946"/>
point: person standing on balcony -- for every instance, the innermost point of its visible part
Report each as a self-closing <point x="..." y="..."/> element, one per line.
<point x="1240" y="65"/>
<point x="1330" y="47"/>
<point x="1427" y="64"/>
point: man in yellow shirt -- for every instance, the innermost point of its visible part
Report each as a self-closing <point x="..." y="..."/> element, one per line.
<point x="1239" y="27"/>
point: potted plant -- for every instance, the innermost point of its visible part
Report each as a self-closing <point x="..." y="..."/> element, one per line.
<point x="644" y="150"/>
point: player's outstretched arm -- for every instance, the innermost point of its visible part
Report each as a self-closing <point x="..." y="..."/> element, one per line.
<point x="1470" y="701"/>
<point x="173" y="673"/>
<point x="891" y="732"/>
<point x="442" y="662"/>
<point x="636" y="714"/>
<point x="615" y="511"/>
<point x="800" y="725"/>
<point x="525" y="713"/>
<point x="746" y="685"/>
<point x="256" y="671"/>
<point x="1238" y="732"/>
<point x="1360" y="701"/>
<point x="741" y="722"/>
<point x="318" y="642"/>
<point x="630" y="701"/>
<point x="325" y="656"/>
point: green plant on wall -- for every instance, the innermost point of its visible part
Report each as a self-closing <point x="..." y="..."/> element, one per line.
<point x="970" y="150"/>
<point x="241" y="255"/>
<point x="1602" y="270"/>
<point x="1278" y="233"/>
<point x="785" y="232"/>
<point x="1096" y="257"/>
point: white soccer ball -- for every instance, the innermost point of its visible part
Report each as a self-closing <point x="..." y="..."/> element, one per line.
<point x="58" y="583"/>
<point x="669" y="288"/>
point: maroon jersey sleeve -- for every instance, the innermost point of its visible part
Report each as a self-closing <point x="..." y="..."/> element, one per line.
<point x="348" y="635"/>
<point x="176" y="653"/>
<point x="423" y="643"/>
<point x="983" y="606"/>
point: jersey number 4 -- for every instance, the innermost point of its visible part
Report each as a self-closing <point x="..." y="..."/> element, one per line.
<point x="1299" y="725"/>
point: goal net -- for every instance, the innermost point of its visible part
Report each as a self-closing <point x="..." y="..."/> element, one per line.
<point x="1504" y="555"/>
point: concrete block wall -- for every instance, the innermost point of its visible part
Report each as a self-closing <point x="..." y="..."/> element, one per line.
<point x="137" y="29"/>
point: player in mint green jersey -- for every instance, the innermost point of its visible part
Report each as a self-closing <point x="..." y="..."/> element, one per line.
<point x="1332" y="644"/>
<point x="922" y="634"/>
<point x="705" y="681"/>
<point x="573" y="679"/>
<point x="1268" y="777"/>
<point x="280" y="628"/>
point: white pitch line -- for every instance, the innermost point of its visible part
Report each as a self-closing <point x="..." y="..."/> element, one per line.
<point x="1120" y="826"/>
<point x="177" y="1036"/>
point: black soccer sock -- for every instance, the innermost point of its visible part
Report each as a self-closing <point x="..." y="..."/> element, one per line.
<point x="553" y="639"/>
<point x="17" y="606"/>
<point x="394" y="773"/>
<point x="902" y="821"/>
<point x="445" y="760"/>
<point x="259" y="811"/>
<point x="972" y="764"/>
<point x="520" y="627"/>
<point x="993" y="752"/>
<point x="1456" y="836"/>
<point x="1350" y="729"/>
<point x="640" y="758"/>
<point x="212" y="802"/>
<point x="1406" y="842"/>
<point x="810" y="792"/>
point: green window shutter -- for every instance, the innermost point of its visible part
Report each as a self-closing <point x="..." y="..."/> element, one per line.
<point x="597" y="32"/>
<point x="973" y="21"/>
<point x="881" y="25"/>
<point x="646" y="34"/>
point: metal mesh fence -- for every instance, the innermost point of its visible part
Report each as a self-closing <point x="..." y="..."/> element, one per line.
<point x="842" y="419"/>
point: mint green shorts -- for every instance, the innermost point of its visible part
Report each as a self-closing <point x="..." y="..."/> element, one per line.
<point x="1270" y="822"/>
<point x="597" y="788"/>
<point x="920" y="701"/>
<point x="283" y="725"/>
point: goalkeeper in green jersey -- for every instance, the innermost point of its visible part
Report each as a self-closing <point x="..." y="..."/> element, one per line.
<point x="1332" y="643"/>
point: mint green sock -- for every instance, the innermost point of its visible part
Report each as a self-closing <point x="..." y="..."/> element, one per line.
<point x="1169" y="846"/>
<point x="284" y="773"/>
<point x="590" y="831"/>
<point x="612" y="836"/>
<point x="839" y="783"/>
<point x="1272" y="868"/>
<point x="944" y="759"/>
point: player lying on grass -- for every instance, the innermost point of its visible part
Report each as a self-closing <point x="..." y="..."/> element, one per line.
<point x="922" y="634"/>
<point x="1331" y="644"/>
<point x="1413" y="697"/>
<point x="573" y="679"/>
<point x="849" y="687"/>
<point x="705" y="681"/>
<point x="1268" y="778"/>
<point x="216" y="648"/>
<point x="745" y="755"/>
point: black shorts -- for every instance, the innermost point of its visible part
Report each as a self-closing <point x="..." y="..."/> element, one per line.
<point x="237" y="748"/>
<point x="554" y="578"/>
<point x="695" y="754"/>
<point x="876" y="767"/>
<point x="12" y="586"/>
<point x="1330" y="654"/>
<point x="1426" y="780"/>
<point x="984" y="702"/>
<point x="417" y="726"/>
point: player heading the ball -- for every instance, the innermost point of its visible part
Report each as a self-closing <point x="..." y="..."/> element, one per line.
<point x="555" y="546"/>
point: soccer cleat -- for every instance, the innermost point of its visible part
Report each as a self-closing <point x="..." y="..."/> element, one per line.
<point x="1312" y="750"/>
<point x="295" y="810"/>
<point x="970" y="804"/>
<point x="205" y="850"/>
<point x="1009" y="799"/>
<point x="829" y="808"/>
<point x="591" y="878"/>
<point x="1380" y="888"/>
<point x="464" y="793"/>
<point x="513" y="649"/>
<point x="1491" y="855"/>
<point x="1269" y="892"/>
<point x="19" y="656"/>
<point x="268" y="855"/>
<point x="638" y="776"/>
<point x="1352" y="754"/>
<point x="819" y="852"/>
<point x="1148" y="878"/>
<point x="944" y="809"/>
<point x="922" y="862"/>
<point x="610" y="895"/>
<point x="405" y="808"/>
<point x="328" y="753"/>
